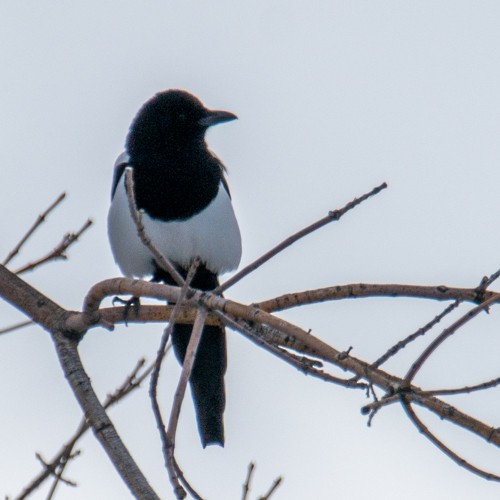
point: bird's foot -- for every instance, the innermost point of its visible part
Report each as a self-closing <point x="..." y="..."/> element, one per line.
<point x="134" y="303"/>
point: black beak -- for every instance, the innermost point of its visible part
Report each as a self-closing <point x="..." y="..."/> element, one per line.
<point x="215" y="117"/>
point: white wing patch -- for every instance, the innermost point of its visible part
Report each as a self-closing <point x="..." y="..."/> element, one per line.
<point x="212" y="235"/>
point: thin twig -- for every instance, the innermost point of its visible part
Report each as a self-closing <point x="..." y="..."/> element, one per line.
<point x="303" y="341"/>
<point x="184" y="481"/>
<point x="447" y="451"/>
<point x="380" y="403"/>
<point x="493" y="277"/>
<point x="40" y="219"/>
<point x="58" y="476"/>
<point x="52" y="471"/>
<point x="303" y="364"/>
<point x="162" y="260"/>
<point x="17" y="326"/>
<point x="153" y="386"/>
<point x="421" y="331"/>
<point x="444" y="335"/>
<point x="272" y="489"/>
<point x="61" y="460"/>
<point x="464" y="390"/>
<point x="332" y="216"/>
<point x="485" y="283"/>
<point x="246" y="484"/>
<point x="179" y="397"/>
<point x="58" y="251"/>
<point x="53" y="319"/>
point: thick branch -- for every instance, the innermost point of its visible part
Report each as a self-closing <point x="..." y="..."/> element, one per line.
<point x="53" y="319"/>
<point x="187" y="314"/>
<point x="45" y="312"/>
<point x="303" y="341"/>
<point x="132" y="382"/>
<point x="361" y="290"/>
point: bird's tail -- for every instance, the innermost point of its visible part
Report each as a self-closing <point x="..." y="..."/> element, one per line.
<point x="207" y="379"/>
<point x="207" y="376"/>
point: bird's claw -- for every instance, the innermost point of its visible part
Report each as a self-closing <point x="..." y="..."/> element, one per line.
<point x="133" y="303"/>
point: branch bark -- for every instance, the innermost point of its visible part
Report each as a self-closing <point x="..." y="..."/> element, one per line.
<point x="53" y="318"/>
<point x="302" y="341"/>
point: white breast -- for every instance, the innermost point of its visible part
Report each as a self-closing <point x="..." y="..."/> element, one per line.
<point x="212" y="235"/>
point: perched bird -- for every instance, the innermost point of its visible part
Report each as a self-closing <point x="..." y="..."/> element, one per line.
<point x="180" y="186"/>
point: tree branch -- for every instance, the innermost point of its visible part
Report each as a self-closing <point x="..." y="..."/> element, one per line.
<point x="303" y="341"/>
<point x="58" y="251"/>
<point x="38" y="222"/>
<point x="187" y="367"/>
<point x="60" y="461"/>
<point x="447" y="333"/>
<point x="162" y="260"/>
<point x="167" y="444"/>
<point x="333" y="216"/>
<point x="447" y="451"/>
<point x="53" y="319"/>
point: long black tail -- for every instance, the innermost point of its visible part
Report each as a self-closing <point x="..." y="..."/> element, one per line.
<point x="207" y="376"/>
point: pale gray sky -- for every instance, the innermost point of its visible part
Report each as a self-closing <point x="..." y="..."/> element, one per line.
<point x="333" y="98"/>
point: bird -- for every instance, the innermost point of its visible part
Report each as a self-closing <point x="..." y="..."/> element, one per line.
<point x="181" y="188"/>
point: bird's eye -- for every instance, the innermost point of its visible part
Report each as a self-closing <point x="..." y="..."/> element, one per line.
<point x="182" y="117"/>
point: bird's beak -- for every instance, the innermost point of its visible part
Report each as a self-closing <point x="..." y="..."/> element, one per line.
<point x="215" y="117"/>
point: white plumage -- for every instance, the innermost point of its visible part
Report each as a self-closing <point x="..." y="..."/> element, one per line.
<point x="212" y="235"/>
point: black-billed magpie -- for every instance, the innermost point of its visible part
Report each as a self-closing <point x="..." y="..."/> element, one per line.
<point x="180" y="185"/>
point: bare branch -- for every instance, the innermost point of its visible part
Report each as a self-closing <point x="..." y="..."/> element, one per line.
<point x="40" y="219"/>
<point x="332" y="216"/>
<point x="255" y="322"/>
<point x="464" y="390"/>
<point x="303" y="364"/>
<point x="246" y="485"/>
<point x="123" y="286"/>
<point x="447" y="451"/>
<point x="162" y="260"/>
<point x="301" y="341"/>
<point x="364" y="290"/>
<point x="17" y="326"/>
<point x="184" y="481"/>
<point x="58" y="251"/>
<point x="445" y="334"/>
<point x="272" y="489"/>
<point x="52" y="471"/>
<point x="380" y="403"/>
<point x="167" y="446"/>
<point x="304" y="342"/>
<point x="154" y="314"/>
<point x="421" y="331"/>
<point x="485" y="283"/>
<point x="53" y="318"/>
<point x="60" y="461"/>
<point x="179" y="396"/>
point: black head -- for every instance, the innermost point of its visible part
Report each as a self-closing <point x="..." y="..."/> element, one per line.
<point x="171" y="119"/>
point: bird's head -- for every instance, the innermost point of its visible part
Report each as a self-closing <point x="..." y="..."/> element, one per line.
<point x="172" y="117"/>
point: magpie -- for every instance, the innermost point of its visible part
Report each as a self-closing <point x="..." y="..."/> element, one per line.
<point x="180" y="186"/>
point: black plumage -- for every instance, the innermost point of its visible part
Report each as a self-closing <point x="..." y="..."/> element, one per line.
<point x="179" y="184"/>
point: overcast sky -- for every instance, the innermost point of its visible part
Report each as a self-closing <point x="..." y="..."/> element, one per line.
<point x="333" y="98"/>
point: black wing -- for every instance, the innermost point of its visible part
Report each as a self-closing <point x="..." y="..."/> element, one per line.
<point x="223" y="170"/>
<point x="120" y="166"/>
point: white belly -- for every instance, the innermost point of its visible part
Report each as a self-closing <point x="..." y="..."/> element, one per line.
<point x="212" y="235"/>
